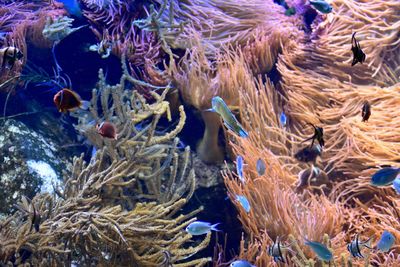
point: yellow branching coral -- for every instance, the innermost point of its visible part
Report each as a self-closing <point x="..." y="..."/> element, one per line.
<point x="101" y="214"/>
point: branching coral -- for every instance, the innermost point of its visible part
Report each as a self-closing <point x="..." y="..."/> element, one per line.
<point x="99" y="215"/>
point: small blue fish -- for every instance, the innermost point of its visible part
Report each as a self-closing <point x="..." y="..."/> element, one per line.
<point x="322" y="6"/>
<point x="386" y="241"/>
<point x="244" y="202"/>
<point x="283" y="119"/>
<point x="219" y="106"/>
<point x="321" y="250"/>
<point x="72" y="6"/>
<point x="239" y="168"/>
<point x="201" y="228"/>
<point x="93" y="155"/>
<point x="385" y="176"/>
<point x="241" y="263"/>
<point x="260" y="166"/>
<point x="396" y="185"/>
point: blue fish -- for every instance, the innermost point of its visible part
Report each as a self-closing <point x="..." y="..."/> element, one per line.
<point x="385" y="176"/>
<point x="239" y="168"/>
<point x="243" y="202"/>
<point x="72" y="6"/>
<point x="201" y="228"/>
<point x="321" y="250"/>
<point x="260" y="166"/>
<point x="386" y="241"/>
<point x="322" y="6"/>
<point x="93" y="155"/>
<point x="241" y="263"/>
<point x="283" y="119"/>
<point x="219" y="106"/>
<point x="396" y="185"/>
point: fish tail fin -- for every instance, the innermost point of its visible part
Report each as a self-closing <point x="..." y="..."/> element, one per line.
<point x="92" y="48"/>
<point x="307" y="241"/>
<point x="85" y="105"/>
<point x="368" y="242"/>
<point x="214" y="227"/>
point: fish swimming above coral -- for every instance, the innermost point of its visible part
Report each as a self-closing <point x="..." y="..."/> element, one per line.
<point x="312" y="177"/>
<point x="9" y="55"/>
<point x="107" y="129"/>
<point x="239" y="168"/>
<point x="201" y="228"/>
<point x="308" y="154"/>
<point x="219" y="106"/>
<point x="67" y="100"/>
<point x="244" y="202"/>
<point x="283" y="119"/>
<point x="356" y="245"/>
<point x="366" y="111"/>
<point x="278" y="251"/>
<point x="30" y="210"/>
<point x="322" y="6"/>
<point x="320" y="249"/>
<point x="241" y="263"/>
<point x="386" y="241"/>
<point x="103" y="48"/>
<point x="260" y="166"/>
<point x="396" y="186"/>
<point x="385" y="176"/>
<point x="358" y="54"/>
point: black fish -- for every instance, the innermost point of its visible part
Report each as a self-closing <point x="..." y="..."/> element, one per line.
<point x="35" y="219"/>
<point x="308" y="154"/>
<point x="358" y="54"/>
<point x="366" y="111"/>
<point x="318" y="135"/>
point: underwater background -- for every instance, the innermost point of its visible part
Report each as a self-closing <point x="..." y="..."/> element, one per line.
<point x="199" y="133"/>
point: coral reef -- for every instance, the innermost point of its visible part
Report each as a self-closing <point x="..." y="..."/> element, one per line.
<point x="224" y="37"/>
<point x="319" y="86"/>
<point x="121" y="208"/>
<point x="23" y="21"/>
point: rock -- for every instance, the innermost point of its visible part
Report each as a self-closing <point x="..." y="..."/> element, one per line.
<point x="29" y="163"/>
<point x="209" y="175"/>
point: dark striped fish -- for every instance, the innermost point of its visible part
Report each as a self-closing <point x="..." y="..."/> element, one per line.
<point x="278" y="251"/>
<point x="355" y="247"/>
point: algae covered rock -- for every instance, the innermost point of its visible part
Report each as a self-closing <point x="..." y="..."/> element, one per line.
<point x="29" y="163"/>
